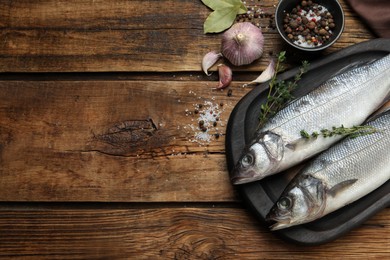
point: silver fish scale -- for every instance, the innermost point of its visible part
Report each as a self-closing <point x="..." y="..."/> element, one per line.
<point x="348" y="155"/>
<point x="342" y="99"/>
<point x="365" y="158"/>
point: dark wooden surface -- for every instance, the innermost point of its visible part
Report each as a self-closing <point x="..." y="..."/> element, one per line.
<point x="98" y="157"/>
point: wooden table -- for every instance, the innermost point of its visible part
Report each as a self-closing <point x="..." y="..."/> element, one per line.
<point x="98" y="153"/>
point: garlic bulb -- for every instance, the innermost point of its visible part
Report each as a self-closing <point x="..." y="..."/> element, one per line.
<point x="209" y="60"/>
<point x="242" y="43"/>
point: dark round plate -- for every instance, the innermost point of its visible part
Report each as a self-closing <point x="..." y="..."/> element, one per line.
<point x="261" y="195"/>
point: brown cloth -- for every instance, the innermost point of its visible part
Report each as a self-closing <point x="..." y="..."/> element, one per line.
<point x="376" y="13"/>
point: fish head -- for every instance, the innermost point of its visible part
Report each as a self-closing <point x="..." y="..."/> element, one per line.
<point x="259" y="159"/>
<point x="302" y="201"/>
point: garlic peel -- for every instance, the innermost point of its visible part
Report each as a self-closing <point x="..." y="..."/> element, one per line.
<point x="209" y="60"/>
<point x="266" y="75"/>
<point x="225" y="76"/>
<point x="242" y="44"/>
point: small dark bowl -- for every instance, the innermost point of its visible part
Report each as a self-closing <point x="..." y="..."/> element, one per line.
<point x="333" y="7"/>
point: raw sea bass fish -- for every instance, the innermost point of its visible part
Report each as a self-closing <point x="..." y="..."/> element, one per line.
<point x="346" y="99"/>
<point x="341" y="175"/>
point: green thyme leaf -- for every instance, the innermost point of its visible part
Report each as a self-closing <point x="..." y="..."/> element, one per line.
<point x="315" y="134"/>
<point x="305" y="134"/>
<point x="352" y="132"/>
<point x="279" y="92"/>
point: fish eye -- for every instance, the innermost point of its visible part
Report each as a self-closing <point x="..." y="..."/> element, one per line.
<point x="285" y="203"/>
<point x="247" y="160"/>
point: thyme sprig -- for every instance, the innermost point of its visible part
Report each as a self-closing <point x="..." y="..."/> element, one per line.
<point x="280" y="91"/>
<point x="352" y="132"/>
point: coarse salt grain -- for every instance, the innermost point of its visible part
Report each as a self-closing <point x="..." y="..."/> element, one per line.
<point x="208" y="114"/>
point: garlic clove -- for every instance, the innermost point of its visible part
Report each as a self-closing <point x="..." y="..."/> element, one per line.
<point x="266" y="75"/>
<point x="242" y="44"/>
<point x="225" y="76"/>
<point x="209" y="60"/>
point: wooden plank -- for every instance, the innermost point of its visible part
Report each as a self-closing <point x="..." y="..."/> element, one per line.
<point x="170" y="233"/>
<point x="88" y="36"/>
<point x="113" y="141"/>
<point x="99" y="14"/>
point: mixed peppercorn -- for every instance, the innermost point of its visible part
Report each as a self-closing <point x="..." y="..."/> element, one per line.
<point x="308" y="24"/>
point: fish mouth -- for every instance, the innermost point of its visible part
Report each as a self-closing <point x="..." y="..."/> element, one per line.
<point x="239" y="180"/>
<point x="239" y="177"/>
<point x="278" y="222"/>
<point x="279" y="225"/>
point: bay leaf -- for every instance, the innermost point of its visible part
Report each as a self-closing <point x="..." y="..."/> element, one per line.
<point x="243" y="9"/>
<point x="220" y="4"/>
<point x="220" y="19"/>
<point x="216" y="4"/>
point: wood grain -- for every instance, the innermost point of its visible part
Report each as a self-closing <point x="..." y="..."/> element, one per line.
<point x="50" y="36"/>
<point x="112" y="141"/>
<point x="103" y="163"/>
<point x="170" y="233"/>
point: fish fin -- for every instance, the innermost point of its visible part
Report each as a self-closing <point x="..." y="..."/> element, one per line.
<point x="291" y="146"/>
<point x="340" y="187"/>
<point x="294" y="145"/>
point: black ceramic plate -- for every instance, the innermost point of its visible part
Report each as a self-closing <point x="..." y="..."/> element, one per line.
<point x="261" y="195"/>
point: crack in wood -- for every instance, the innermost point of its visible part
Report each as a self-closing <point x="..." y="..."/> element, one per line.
<point x="148" y="155"/>
<point x="129" y="138"/>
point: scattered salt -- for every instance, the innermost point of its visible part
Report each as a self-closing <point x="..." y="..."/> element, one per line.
<point x="202" y="136"/>
<point x="204" y="125"/>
